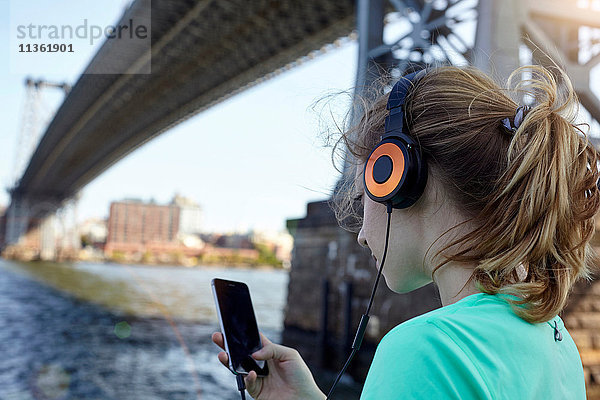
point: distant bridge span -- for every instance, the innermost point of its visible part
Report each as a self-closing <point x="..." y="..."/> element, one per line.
<point x="202" y="53"/>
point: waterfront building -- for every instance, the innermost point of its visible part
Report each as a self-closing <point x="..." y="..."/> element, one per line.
<point x="140" y="228"/>
<point x="190" y="215"/>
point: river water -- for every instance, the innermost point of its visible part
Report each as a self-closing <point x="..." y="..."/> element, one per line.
<point x="107" y="331"/>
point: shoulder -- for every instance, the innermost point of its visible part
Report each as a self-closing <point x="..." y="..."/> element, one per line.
<point x="478" y="329"/>
<point x="469" y="350"/>
<point x="437" y="325"/>
<point x="433" y="353"/>
<point x="421" y="360"/>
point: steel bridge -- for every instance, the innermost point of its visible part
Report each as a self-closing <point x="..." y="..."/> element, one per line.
<point x="202" y="53"/>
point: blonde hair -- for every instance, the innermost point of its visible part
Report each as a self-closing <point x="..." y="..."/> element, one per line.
<point x="532" y="194"/>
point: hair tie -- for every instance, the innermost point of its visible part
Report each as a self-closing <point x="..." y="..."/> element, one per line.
<point x="512" y="126"/>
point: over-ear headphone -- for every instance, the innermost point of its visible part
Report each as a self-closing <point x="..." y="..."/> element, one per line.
<point x="396" y="172"/>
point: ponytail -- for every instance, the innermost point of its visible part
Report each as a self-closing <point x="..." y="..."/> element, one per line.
<point x="539" y="216"/>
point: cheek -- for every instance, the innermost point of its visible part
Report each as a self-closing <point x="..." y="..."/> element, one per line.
<point x="374" y="223"/>
<point x="367" y="216"/>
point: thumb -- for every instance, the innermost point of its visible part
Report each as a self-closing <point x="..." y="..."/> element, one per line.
<point x="277" y="352"/>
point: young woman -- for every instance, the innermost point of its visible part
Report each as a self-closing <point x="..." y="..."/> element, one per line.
<point x="502" y="228"/>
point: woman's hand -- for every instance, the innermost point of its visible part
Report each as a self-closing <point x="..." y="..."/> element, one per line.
<point x="289" y="377"/>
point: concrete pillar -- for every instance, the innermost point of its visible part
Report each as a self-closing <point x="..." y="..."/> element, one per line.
<point x="71" y="242"/>
<point x="17" y="219"/>
<point x="498" y="36"/>
<point x="48" y="238"/>
<point x="369" y="23"/>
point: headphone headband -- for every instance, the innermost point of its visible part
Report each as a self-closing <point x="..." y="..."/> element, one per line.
<point x="395" y="105"/>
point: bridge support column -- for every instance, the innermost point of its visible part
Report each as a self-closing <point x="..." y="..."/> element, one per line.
<point x="48" y="238"/>
<point x="67" y="241"/>
<point x="17" y="219"/>
<point x="369" y="18"/>
<point x="498" y="36"/>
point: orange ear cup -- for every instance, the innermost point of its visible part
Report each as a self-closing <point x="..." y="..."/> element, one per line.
<point x="385" y="188"/>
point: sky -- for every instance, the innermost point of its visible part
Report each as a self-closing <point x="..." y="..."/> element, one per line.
<point x="275" y="161"/>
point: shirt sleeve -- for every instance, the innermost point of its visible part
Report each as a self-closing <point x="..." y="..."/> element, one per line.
<point x="420" y="361"/>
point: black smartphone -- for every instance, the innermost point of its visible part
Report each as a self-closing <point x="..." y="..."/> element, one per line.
<point x="238" y="325"/>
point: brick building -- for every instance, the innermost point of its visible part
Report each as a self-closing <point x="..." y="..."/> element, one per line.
<point x="137" y="227"/>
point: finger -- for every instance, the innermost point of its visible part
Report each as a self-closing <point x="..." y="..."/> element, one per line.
<point x="217" y="338"/>
<point x="224" y="358"/>
<point x="264" y="342"/>
<point x="253" y="384"/>
<point x="250" y="379"/>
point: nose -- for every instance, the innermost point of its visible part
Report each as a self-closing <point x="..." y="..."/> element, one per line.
<point x="361" y="239"/>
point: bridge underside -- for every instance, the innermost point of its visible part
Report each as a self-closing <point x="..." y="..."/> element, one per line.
<point x="202" y="53"/>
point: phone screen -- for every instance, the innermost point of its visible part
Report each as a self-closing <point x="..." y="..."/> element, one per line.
<point x="238" y="325"/>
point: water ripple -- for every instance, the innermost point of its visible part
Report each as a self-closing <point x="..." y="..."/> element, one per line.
<point x="58" y="338"/>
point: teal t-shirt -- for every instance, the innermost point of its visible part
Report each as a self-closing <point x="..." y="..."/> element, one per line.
<point x="476" y="348"/>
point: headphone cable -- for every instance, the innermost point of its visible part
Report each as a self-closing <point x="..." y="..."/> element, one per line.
<point x="364" y="320"/>
<point x="239" y="378"/>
